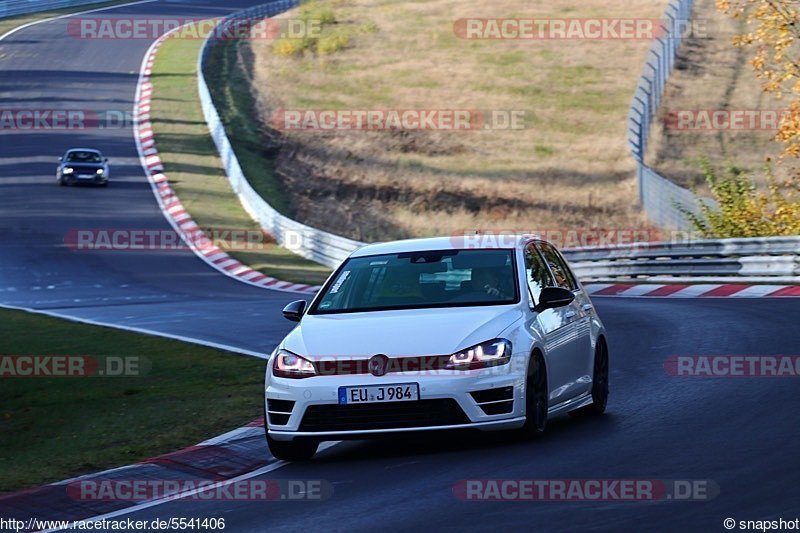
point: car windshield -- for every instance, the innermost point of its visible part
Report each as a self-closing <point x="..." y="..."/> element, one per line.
<point x="418" y="280"/>
<point x="84" y="157"/>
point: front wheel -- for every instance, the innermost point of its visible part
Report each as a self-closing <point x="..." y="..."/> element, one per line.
<point x="536" y="398"/>
<point x="292" y="450"/>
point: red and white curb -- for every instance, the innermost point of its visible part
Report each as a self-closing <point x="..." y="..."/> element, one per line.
<point x="234" y="454"/>
<point x="171" y="205"/>
<point x="233" y="457"/>
<point x="685" y="290"/>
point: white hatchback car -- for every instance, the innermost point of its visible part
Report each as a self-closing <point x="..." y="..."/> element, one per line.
<point x="433" y="334"/>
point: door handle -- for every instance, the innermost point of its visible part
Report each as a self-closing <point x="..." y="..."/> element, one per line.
<point x="586" y="307"/>
<point x="569" y="314"/>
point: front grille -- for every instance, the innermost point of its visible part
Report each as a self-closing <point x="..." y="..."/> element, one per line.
<point x="391" y="415"/>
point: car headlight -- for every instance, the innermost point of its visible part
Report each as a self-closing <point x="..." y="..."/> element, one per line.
<point x="490" y="353"/>
<point x="68" y="170"/>
<point x="100" y="171"/>
<point x="289" y="365"/>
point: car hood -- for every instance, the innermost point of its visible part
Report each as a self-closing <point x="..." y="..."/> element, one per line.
<point x="399" y="333"/>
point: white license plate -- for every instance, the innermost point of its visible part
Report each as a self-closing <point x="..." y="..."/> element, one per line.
<point x="398" y="392"/>
<point x="86" y="176"/>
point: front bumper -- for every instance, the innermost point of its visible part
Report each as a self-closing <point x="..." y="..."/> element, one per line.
<point x="445" y="403"/>
<point x="94" y="179"/>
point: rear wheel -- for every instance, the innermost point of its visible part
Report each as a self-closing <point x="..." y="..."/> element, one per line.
<point x="599" y="382"/>
<point x="536" y="398"/>
<point x="292" y="450"/>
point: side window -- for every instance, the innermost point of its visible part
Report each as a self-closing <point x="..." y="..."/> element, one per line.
<point x="558" y="267"/>
<point x="536" y="272"/>
<point x="567" y="270"/>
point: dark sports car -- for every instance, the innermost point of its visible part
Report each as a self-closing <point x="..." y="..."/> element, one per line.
<point x="83" y="165"/>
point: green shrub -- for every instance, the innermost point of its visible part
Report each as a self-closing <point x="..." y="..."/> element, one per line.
<point x="332" y="43"/>
<point x="743" y="209"/>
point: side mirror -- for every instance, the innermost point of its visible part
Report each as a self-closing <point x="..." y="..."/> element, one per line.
<point x="105" y="160"/>
<point x="294" y="311"/>
<point x="552" y="297"/>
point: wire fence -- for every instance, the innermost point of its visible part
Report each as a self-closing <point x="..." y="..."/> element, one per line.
<point x="661" y="199"/>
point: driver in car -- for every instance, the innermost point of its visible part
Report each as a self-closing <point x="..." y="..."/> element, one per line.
<point x="487" y="281"/>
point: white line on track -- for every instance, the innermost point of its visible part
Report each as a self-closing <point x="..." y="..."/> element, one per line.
<point x="51" y="19"/>
<point x="134" y="329"/>
<point x="95" y="322"/>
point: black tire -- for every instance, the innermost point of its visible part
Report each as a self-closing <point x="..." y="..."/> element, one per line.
<point x="62" y="183"/>
<point x="536" y="398"/>
<point x="288" y="450"/>
<point x="599" y="383"/>
<point x="292" y="450"/>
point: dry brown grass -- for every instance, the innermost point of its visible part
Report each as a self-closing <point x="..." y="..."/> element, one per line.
<point x="712" y="74"/>
<point x="569" y="166"/>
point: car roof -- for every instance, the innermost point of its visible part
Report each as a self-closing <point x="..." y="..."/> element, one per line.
<point x="484" y="241"/>
<point x="83" y="150"/>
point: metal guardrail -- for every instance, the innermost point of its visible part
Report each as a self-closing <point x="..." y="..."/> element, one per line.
<point x="659" y="197"/>
<point x="765" y="257"/>
<point x="314" y="244"/>
<point x="10" y="8"/>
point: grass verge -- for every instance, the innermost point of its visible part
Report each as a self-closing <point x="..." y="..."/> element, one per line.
<point x="55" y="428"/>
<point x="7" y="24"/>
<point x="567" y="166"/>
<point x="195" y="170"/>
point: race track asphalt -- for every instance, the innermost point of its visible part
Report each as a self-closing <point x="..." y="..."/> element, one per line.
<point x="46" y="67"/>
<point x="740" y="434"/>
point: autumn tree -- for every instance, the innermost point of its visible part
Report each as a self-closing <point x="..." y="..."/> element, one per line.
<point x="774" y="33"/>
